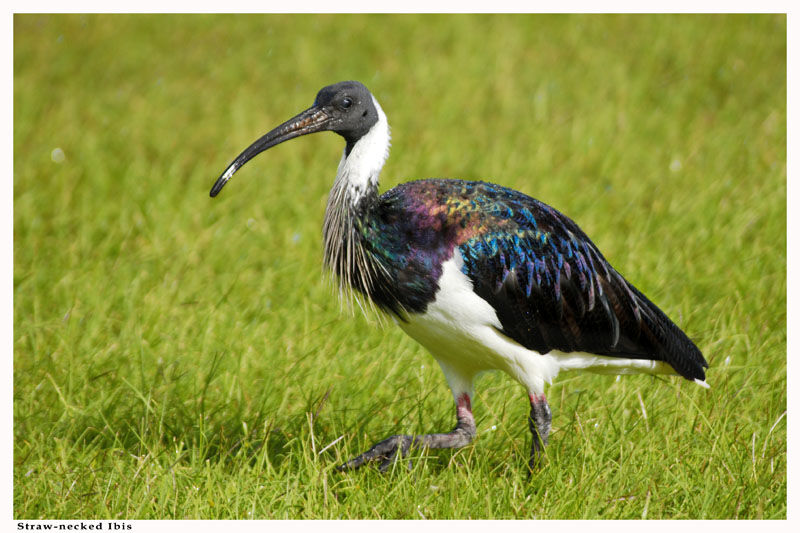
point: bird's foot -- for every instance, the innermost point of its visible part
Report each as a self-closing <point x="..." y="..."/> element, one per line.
<point x="398" y="446"/>
<point x="539" y="424"/>
<point x="385" y="453"/>
<point x="536" y="460"/>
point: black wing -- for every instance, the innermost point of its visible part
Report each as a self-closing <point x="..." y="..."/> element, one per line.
<point x="552" y="289"/>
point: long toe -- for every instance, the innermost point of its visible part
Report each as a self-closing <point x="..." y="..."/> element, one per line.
<point x="385" y="452"/>
<point x="536" y="460"/>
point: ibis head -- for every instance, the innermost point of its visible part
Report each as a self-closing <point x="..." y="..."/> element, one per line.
<point x="346" y="108"/>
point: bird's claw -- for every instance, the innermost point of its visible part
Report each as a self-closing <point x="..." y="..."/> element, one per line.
<point x="536" y="461"/>
<point x="385" y="452"/>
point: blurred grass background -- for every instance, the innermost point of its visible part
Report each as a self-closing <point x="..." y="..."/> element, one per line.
<point x="178" y="357"/>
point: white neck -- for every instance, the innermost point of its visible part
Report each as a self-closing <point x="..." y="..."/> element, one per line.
<point x="358" y="172"/>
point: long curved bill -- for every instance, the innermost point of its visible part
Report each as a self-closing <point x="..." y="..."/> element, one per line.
<point x="311" y="120"/>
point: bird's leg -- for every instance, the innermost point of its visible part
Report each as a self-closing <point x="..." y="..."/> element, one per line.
<point x="387" y="450"/>
<point x="539" y="424"/>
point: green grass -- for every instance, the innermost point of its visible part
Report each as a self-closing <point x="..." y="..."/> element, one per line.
<point x="178" y="357"/>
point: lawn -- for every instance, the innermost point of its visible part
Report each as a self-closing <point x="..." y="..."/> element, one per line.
<point x="182" y="357"/>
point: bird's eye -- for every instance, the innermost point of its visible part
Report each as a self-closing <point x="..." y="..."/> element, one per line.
<point x="346" y="102"/>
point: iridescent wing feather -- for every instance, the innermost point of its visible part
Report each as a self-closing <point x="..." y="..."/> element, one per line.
<point x="550" y="286"/>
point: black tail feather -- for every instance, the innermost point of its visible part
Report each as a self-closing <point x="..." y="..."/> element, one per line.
<point x="669" y="342"/>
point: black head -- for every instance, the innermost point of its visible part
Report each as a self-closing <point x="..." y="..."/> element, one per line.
<point x="350" y="107"/>
<point x="346" y="108"/>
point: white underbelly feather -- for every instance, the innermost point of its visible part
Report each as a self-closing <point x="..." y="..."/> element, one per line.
<point x="462" y="331"/>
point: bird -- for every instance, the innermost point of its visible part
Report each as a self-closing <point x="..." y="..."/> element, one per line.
<point x="483" y="276"/>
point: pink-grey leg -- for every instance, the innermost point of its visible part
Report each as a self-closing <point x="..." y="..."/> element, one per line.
<point x="539" y="424"/>
<point x="386" y="451"/>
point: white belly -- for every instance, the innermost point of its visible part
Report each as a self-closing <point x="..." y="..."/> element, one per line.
<point x="462" y="331"/>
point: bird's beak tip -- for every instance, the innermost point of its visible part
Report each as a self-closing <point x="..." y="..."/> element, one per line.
<point x="311" y="120"/>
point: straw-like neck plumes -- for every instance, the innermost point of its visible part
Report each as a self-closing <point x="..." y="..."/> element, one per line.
<point x="354" y="192"/>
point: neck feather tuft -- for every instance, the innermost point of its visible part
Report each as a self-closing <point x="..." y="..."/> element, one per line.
<point x="353" y="192"/>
